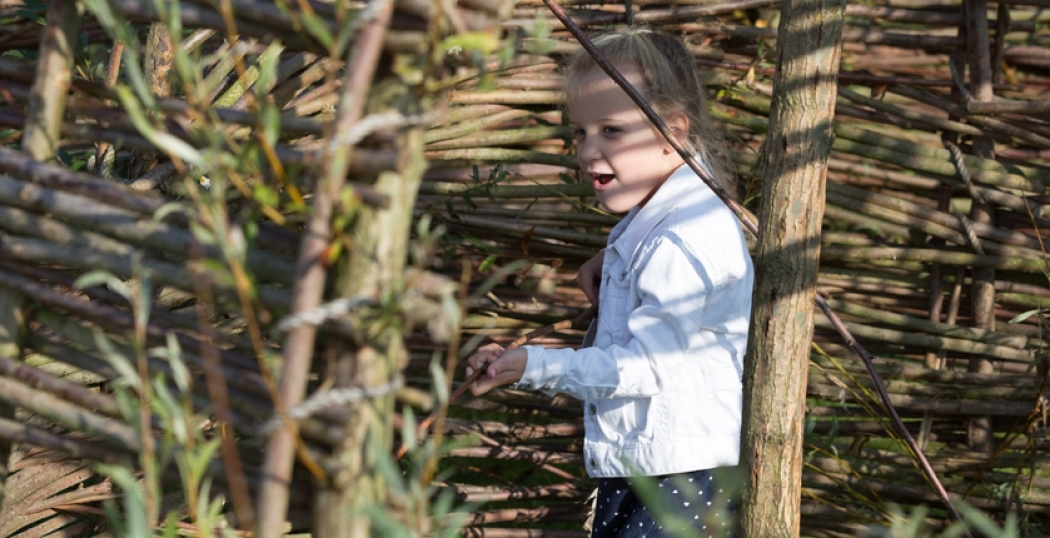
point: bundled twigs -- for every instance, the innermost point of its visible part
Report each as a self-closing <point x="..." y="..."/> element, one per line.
<point x="884" y="234"/>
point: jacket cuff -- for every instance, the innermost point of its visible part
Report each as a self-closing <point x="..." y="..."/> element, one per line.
<point x="542" y="370"/>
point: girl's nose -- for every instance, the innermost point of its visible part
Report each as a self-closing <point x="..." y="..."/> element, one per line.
<point x="587" y="151"/>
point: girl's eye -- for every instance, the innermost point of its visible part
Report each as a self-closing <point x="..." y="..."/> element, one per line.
<point x="610" y="130"/>
<point x="577" y="133"/>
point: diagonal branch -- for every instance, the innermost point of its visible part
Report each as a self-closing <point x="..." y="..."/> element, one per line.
<point x="749" y="223"/>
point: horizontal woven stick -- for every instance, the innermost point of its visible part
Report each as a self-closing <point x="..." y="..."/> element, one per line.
<point x="159" y="315"/>
<point x="510" y="246"/>
<point x="120" y="322"/>
<point x="249" y="405"/>
<point x="469" y="124"/>
<point x="20" y="432"/>
<point x="981" y="121"/>
<point x="904" y="153"/>
<point x="535" y="213"/>
<point x="499" y="191"/>
<point x="507" y="97"/>
<point x="934" y="342"/>
<point x="569" y="512"/>
<point x="26" y="249"/>
<point x="504" y="156"/>
<point x="130" y="227"/>
<point x="518" y="454"/>
<point x="969" y="393"/>
<point x="935" y="229"/>
<point x="516" y="431"/>
<point x="485" y="494"/>
<point x="114" y="433"/>
<point x="924" y="325"/>
<point x="69" y="391"/>
<point x="925" y="255"/>
<point x="50" y="176"/>
<point x="900" y="492"/>
<point x="906" y="113"/>
<point x="195" y="16"/>
<point x="942" y="218"/>
<point x="503" y="138"/>
<point x="857" y="77"/>
<point x="530" y="230"/>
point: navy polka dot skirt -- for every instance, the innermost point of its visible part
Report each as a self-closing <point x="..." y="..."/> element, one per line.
<point x="701" y="504"/>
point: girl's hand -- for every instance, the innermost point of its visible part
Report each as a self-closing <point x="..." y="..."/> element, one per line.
<point x="503" y="367"/>
<point x="590" y="276"/>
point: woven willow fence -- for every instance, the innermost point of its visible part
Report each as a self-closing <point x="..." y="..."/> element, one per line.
<point x="932" y="193"/>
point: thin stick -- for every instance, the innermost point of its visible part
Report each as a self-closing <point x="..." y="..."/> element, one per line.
<point x="750" y="224"/>
<point x="575" y="323"/>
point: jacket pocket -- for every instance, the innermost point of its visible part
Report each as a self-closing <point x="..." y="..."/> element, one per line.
<point x="624" y="421"/>
<point x="613" y="304"/>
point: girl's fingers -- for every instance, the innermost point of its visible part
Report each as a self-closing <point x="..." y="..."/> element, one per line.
<point x="491" y="349"/>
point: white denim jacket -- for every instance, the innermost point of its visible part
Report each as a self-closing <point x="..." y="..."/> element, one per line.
<point x="662" y="383"/>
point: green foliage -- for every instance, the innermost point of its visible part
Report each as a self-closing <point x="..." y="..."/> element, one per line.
<point x="916" y="524"/>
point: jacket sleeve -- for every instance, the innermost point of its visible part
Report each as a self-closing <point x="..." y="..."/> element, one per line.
<point x="675" y="288"/>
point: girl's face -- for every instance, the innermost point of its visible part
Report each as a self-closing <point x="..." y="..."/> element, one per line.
<point x="623" y="155"/>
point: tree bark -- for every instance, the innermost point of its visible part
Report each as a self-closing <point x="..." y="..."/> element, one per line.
<point x="47" y="96"/>
<point x="797" y="147"/>
<point x="375" y="266"/>
<point x="272" y="501"/>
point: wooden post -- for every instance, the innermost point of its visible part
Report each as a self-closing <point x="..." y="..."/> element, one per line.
<point x="796" y="152"/>
<point x="980" y="434"/>
<point x="47" y="96"/>
<point x="47" y="103"/>
<point x="157" y="65"/>
<point x="12" y="337"/>
<point x="376" y="264"/>
<point x="276" y="472"/>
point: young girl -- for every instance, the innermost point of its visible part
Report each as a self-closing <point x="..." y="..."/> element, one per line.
<point x="661" y="383"/>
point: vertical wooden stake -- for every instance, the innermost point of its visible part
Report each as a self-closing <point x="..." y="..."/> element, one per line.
<point x="12" y="337"/>
<point x="276" y="472"/>
<point x="47" y="104"/>
<point x="980" y="434"/>
<point x="158" y="63"/>
<point x="796" y="153"/>
<point x="47" y="96"/>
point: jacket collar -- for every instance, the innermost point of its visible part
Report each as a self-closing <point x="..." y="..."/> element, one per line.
<point x="681" y="186"/>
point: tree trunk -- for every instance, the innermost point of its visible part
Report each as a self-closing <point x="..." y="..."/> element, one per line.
<point x="796" y="152"/>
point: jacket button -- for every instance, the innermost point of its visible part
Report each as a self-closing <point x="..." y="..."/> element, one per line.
<point x="593" y="410"/>
<point x="623" y="275"/>
<point x="594" y="464"/>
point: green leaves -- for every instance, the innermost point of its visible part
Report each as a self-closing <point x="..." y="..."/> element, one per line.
<point x="133" y="523"/>
<point x="163" y="140"/>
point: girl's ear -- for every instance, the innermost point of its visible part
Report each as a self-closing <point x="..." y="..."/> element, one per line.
<point x="679" y="124"/>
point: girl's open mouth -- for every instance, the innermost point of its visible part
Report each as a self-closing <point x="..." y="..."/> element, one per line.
<point x="602" y="179"/>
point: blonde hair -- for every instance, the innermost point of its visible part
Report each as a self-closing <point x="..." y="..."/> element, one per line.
<point x="672" y="84"/>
